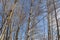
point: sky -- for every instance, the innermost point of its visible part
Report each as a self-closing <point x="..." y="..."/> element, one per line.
<point x="0" y="12"/>
<point x="26" y="9"/>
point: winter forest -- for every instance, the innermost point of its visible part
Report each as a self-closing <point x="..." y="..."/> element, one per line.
<point x="29" y="19"/>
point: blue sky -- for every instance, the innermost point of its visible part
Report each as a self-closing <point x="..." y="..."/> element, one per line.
<point x="26" y="9"/>
<point x="0" y="18"/>
<point x="1" y="7"/>
<point x="0" y="13"/>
